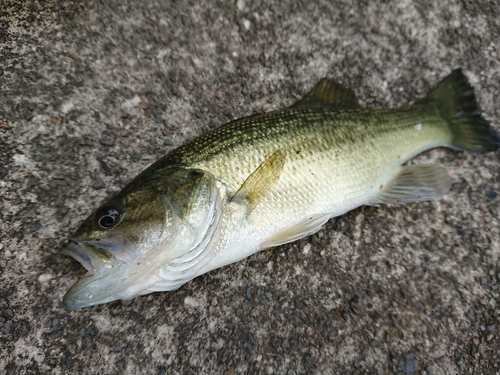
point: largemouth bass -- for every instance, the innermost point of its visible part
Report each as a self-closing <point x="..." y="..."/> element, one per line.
<point x="266" y="180"/>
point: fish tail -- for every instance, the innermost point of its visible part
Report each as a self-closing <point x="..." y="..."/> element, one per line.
<point x="456" y="103"/>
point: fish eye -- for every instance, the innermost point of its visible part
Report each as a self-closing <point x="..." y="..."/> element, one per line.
<point x="107" y="217"/>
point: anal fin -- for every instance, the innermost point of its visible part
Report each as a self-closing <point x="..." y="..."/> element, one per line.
<point x="415" y="183"/>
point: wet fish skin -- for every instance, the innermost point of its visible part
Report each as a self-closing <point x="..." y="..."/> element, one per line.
<point x="266" y="180"/>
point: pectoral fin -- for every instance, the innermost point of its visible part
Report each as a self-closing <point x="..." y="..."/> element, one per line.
<point x="304" y="228"/>
<point x="328" y="93"/>
<point x="415" y="183"/>
<point x="258" y="184"/>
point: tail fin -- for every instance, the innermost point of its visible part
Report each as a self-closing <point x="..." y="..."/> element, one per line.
<point x="454" y="98"/>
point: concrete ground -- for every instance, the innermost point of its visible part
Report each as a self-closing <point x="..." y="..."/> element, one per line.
<point x="92" y="92"/>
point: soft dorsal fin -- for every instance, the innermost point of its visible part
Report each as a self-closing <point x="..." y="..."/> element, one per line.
<point x="258" y="184"/>
<point x="328" y="93"/>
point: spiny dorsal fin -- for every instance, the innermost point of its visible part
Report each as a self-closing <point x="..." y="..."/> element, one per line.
<point x="258" y="184"/>
<point x="328" y="93"/>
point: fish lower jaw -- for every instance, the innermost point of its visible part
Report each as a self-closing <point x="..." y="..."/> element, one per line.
<point x="122" y="281"/>
<point x="118" y="284"/>
<point x="78" y="299"/>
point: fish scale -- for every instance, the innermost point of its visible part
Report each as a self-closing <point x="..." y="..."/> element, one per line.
<point x="332" y="147"/>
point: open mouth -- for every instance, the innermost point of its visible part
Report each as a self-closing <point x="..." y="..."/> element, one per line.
<point x="96" y="287"/>
<point x="88" y="255"/>
<point x="80" y="253"/>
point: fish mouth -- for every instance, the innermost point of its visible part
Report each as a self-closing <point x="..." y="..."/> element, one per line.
<point x="80" y="253"/>
<point x="98" y="286"/>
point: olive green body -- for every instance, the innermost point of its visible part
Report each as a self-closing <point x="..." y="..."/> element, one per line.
<point x="336" y="159"/>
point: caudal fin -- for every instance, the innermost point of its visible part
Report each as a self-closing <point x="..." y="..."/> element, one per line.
<point x="454" y="98"/>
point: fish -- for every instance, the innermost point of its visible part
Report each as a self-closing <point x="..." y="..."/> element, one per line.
<point x="267" y="180"/>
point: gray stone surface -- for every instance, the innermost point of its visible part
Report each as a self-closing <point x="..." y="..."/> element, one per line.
<point x="92" y="92"/>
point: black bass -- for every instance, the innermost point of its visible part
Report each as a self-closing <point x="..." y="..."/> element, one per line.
<point x="267" y="180"/>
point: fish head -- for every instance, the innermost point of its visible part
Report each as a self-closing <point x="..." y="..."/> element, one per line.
<point x="153" y="235"/>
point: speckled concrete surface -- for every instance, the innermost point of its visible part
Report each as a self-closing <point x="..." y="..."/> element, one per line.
<point x="92" y="92"/>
